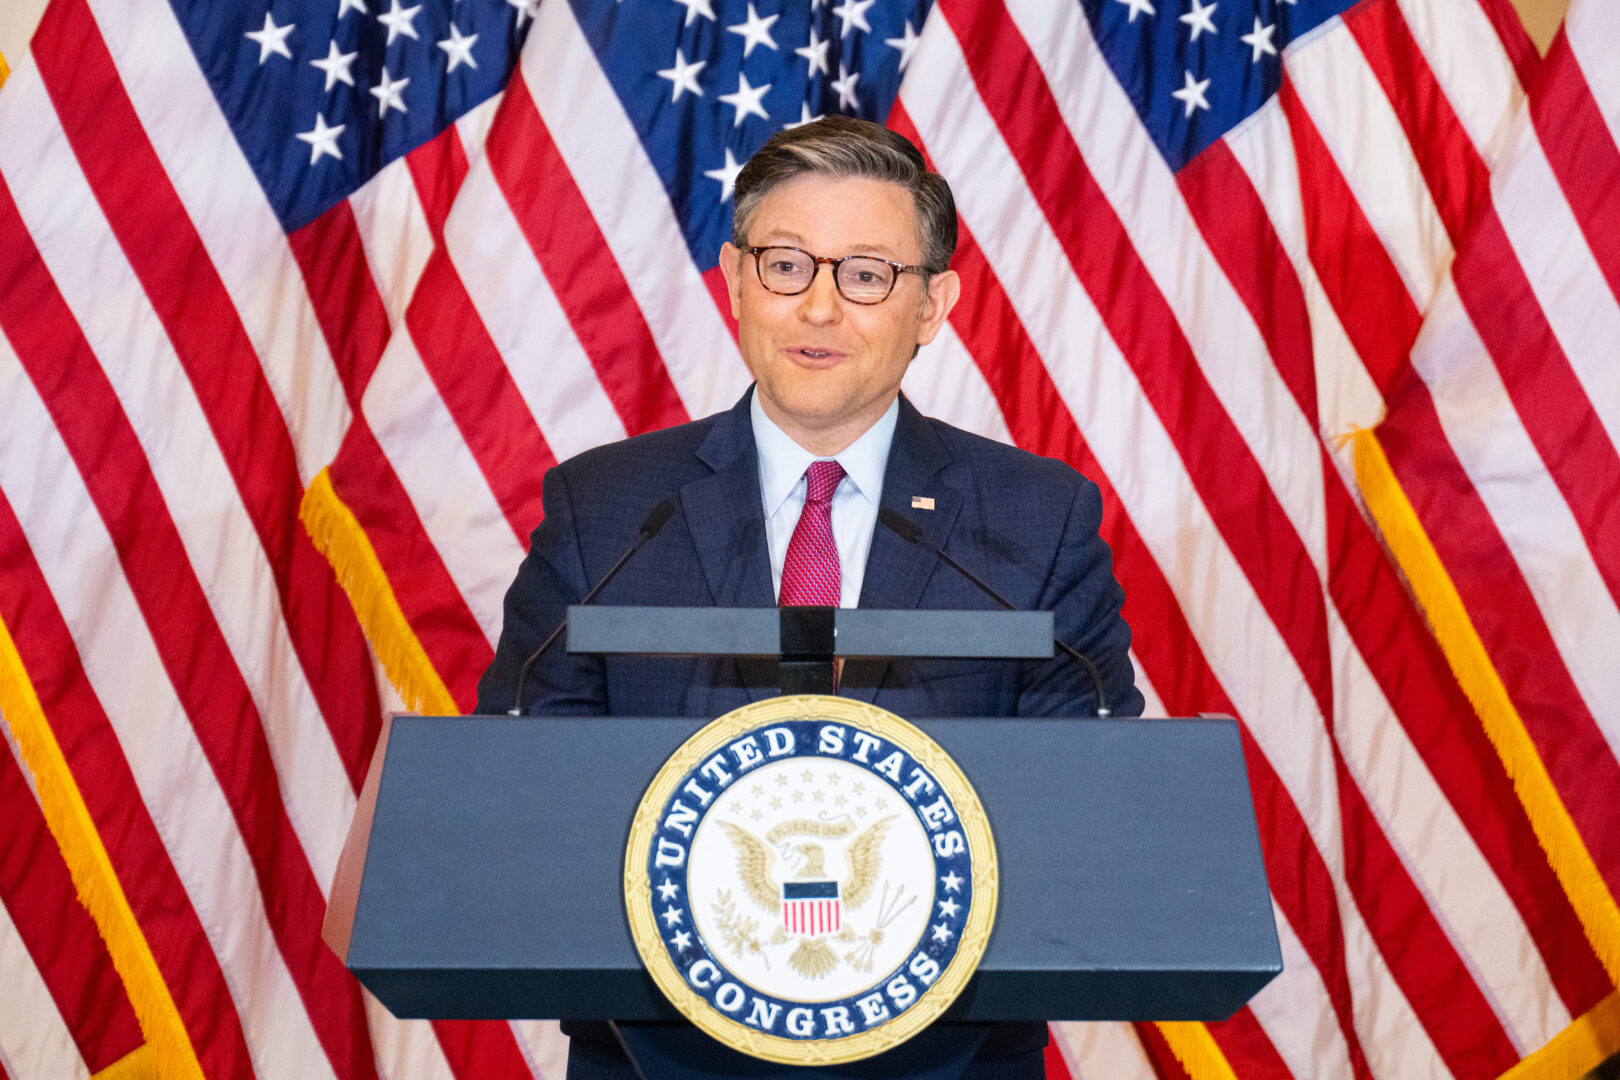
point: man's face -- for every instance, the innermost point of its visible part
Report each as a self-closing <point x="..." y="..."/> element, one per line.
<point x="828" y="368"/>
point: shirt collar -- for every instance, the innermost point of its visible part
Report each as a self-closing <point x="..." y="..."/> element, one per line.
<point x="782" y="461"/>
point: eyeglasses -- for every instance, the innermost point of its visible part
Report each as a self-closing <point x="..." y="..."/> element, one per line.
<point x="860" y="279"/>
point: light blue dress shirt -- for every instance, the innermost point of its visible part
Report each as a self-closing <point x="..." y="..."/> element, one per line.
<point x="782" y="464"/>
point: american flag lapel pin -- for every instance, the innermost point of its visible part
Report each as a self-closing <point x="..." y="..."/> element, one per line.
<point x="922" y="502"/>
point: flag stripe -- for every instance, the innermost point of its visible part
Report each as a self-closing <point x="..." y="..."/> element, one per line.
<point x="1099" y="1051"/>
<point x="1550" y="244"/>
<point x="37" y="897"/>
<point x="34" y="1039"/>
<point x="1355" y="270"/>
<point x="113" y="313"/>
<point x="348" y="307"/>
<point x="467" y="1048"/>
<point x="545" y="361"/>
<point x="1387" y="929"/>
<point x="1409" y="667"/>
<point x="472" y="380"/>
<point x="1467" y="900"/>
<point x="1358" y="304"/>
<point x="91" y="747"/>
<point x="445" y="482"/>
<point x="1296" y="1013"/>
<point x="1159" y="1053"/>
<point x="239" y="411"/>
<point x="1413" y="676"/>
<point x="1448" y="1002"/>
<point x="1171" y="656"/>
<point x="1546" y="393"/>
<point x="1453" y="171"/>
<point x="351" y="314"/>
<point x="944" y="381"/>
<point x="1041" y="422"/>
<point x="481" y="1050"/>
<point x="1352" y="547"/>
<point x="1246" y="511"/>
<point x="581" y="269"/>
<point x="1168" y="238"/>
<point x="438" y="168"/>
<point x="631" y="207"/>
<point x="408" y="1049"/>
<point x="980" y="33"/>
<point x="419" y="582"/>
<point x="1479" y="51"/>
<point x="1347" y="396"/>
<point x="1513" y="37"/>
<point x="1242" y="238"/>
<point x="204" y="163"/>
<point x="1374" y="296"/>
<point x="394" y="233"/>
<point x="1500" y="301"/>
<point x="1246" y="1045"/>
<point x="1183" y="334"/>
<point x="1366" y="143"/>
<point x="1488" y="438"/>
<point x="191" y="648"/>
<point x="1505" y="615"/>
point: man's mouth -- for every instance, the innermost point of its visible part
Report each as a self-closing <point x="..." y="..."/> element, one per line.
<point x="817" y="356"/>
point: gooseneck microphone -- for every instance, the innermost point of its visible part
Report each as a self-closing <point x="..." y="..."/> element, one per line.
<point x="656" y="518"/>
<point x="909" y="531"/>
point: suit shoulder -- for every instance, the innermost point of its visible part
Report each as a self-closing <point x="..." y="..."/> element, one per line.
<point x="999" y="463"/>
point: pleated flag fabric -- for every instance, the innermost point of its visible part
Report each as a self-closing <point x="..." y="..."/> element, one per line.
<point x="1316" y="291"/>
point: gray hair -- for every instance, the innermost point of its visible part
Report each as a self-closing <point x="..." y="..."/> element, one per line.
<point x="844" y="147"/>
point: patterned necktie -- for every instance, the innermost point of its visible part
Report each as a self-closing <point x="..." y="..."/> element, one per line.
<point x="810" y="570"/>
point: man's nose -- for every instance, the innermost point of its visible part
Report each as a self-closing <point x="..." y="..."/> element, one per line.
<point x="820" y="303"/>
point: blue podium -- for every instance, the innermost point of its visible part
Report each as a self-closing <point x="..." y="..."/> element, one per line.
<point x="482" y="877"/>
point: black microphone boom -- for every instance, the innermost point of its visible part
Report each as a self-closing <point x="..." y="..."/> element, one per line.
<point x="908" y="530"/>
<point x="655" y="520"/>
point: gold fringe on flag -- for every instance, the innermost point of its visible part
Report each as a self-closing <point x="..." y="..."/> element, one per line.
<point x="1588" y="1041"/>
<point x="139" y="1064"/>
<point x="1195" y="1048"/>
<point x="338" y="536"/>
<point x="1459" y="641"/>
<point x="170" y="1053"/>
<point x="5" y="71"/>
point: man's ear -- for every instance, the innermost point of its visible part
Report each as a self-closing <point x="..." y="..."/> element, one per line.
<point x="944" y="290"/>
<point x="731" y="270"/>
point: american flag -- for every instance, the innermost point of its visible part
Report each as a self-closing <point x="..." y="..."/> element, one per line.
<point x="1290" y="280"/>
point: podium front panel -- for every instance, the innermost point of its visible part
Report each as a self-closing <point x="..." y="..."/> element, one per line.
<point x="1132" y="885"/>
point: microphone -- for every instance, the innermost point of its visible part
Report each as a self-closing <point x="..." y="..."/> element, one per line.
<point x="908" y="530"/>
<point x="655" y="520"/>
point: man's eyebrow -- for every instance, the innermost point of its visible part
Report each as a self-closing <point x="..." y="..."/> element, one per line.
<point x="785" y="236"/>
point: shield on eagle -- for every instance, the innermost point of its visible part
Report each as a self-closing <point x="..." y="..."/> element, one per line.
<point x="811" y="908"/>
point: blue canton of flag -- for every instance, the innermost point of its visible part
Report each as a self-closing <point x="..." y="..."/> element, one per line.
<point x="323" y="93"/>
<point x="706" y="82"/>
<point x="1196" y="69"/>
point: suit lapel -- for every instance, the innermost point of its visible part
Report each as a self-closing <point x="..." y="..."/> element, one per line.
<point x="897" y="570"/>
<point x="724" y="513"/>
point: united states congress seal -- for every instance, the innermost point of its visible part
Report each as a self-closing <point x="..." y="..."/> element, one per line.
<point x="810" y="880"/>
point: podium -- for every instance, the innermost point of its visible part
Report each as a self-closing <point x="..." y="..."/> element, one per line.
<point x="482" y="877"/>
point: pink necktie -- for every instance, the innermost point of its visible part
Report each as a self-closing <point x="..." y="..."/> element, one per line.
<point x="810" y="570"/>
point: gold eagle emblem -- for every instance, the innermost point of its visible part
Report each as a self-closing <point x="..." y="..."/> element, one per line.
<point x="756" y="864"/>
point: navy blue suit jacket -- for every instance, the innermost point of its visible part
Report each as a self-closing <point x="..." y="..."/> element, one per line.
<point x="1025" y="524"/>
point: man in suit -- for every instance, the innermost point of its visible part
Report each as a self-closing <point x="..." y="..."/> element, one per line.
<point x="777" y="499"/>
